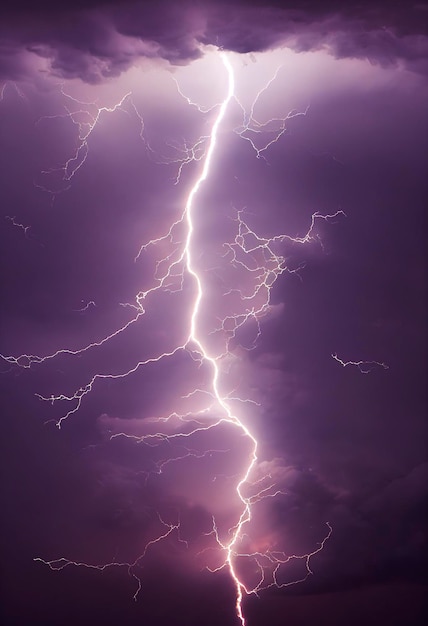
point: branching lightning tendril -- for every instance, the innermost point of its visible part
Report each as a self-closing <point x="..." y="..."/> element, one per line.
<point x="365" y="367"/>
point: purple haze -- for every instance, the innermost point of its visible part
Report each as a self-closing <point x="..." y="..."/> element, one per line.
<point x="342" y="446"/>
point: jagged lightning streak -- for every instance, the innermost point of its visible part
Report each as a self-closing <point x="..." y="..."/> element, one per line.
<point x="17" y="224"/>
<point x="365" y="367"/>
<point x="85" y="122"/>
<point x="248" y="251"/>
<point x="246" y="514"/>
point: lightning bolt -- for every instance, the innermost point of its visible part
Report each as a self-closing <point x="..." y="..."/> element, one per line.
<point x="17" y="224"/>
<point x="85" y="307"/>
<point x="85" y="121"/>
<point x="194" y="336"/>
<point x="261" y="260"/>
<point x="365" y="367"/>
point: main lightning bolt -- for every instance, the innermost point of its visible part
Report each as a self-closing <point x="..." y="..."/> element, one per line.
<point x="248" y="252"/>
<point x="195" y="337"/>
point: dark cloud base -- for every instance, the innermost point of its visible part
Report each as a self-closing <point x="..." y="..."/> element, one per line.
<point x="98" y="40"/>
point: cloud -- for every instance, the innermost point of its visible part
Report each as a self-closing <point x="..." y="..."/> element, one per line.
<point x="98" y="40"/>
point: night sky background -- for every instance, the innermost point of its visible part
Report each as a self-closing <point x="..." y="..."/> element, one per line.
<point x="348" y="448"/>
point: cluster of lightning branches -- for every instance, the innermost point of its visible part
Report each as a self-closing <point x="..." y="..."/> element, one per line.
<point x="250" y="253"/>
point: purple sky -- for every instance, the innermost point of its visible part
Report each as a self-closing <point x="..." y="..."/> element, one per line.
<point x="342" y="446"/>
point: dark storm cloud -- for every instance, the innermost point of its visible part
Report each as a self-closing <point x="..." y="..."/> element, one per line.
<point x="95" y="40"/>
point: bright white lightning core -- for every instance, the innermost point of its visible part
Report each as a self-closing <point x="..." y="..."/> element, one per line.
<point x="246" y="514"/>
<point x="259" y="259"/>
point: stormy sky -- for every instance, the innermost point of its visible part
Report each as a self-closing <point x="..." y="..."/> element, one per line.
<point x="106" y="110"/>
